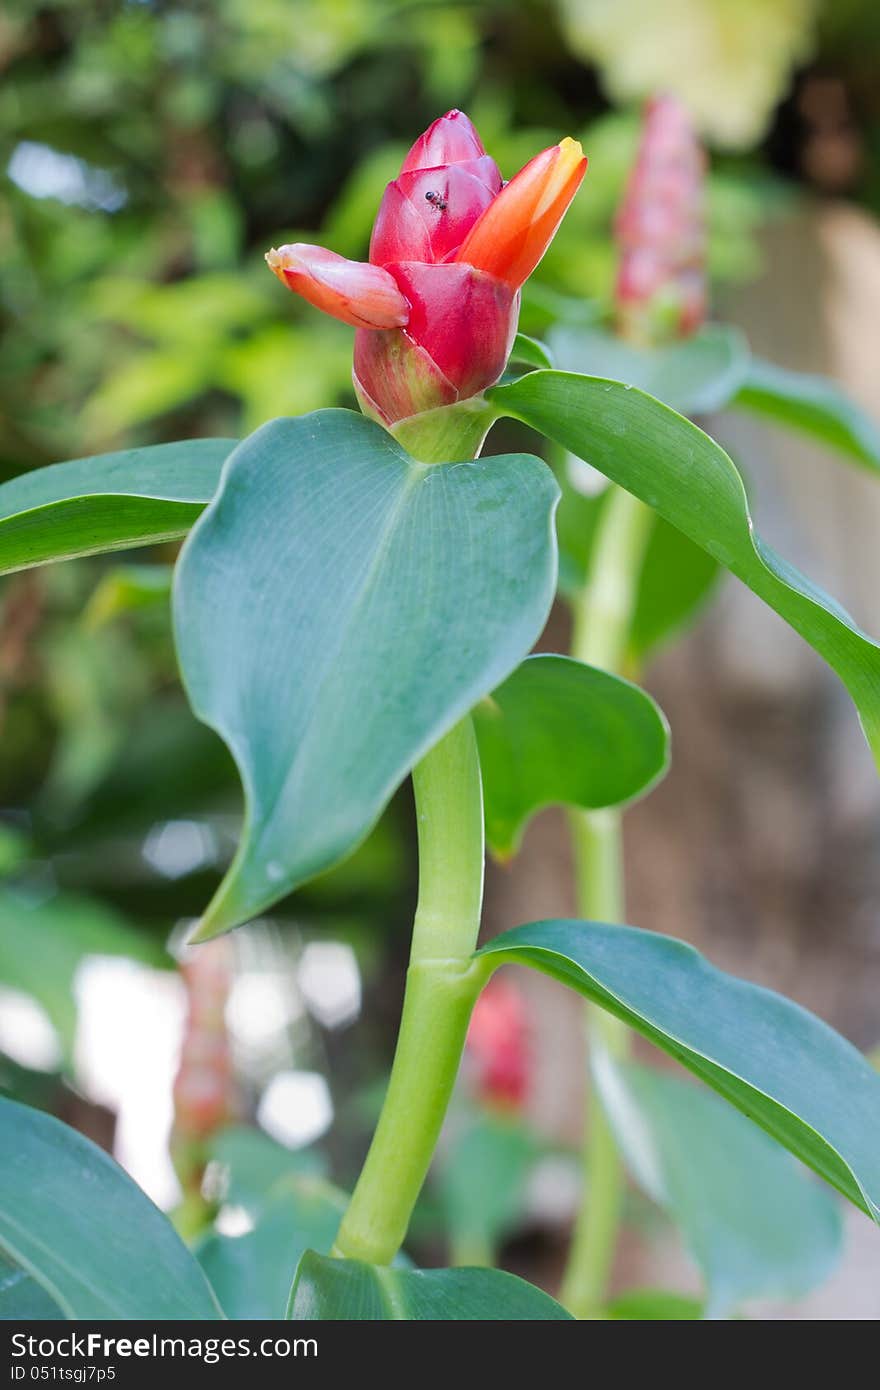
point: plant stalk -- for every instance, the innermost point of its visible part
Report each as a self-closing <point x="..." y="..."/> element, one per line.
<point x="442" y="984"/>
<point x="601" y="630"/>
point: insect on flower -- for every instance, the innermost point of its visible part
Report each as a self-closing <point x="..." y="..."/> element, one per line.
<point x="436" y="306"/>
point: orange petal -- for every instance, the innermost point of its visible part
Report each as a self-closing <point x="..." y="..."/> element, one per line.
<point x="365" y="296"/>
<point x="513" y="233"/>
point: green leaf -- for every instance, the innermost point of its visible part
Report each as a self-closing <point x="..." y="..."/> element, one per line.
<point x="256" y="1164"/>
<point x="43" y="943"/>
<point x="653" y="1305"/>
<point x="814" y="405"/>
<point x="22" y="1298"/>
<point x="76" y="1222"/>
<point x="109" y="502"/>
<point x="338" y="608"/>
<point x="694" y="376"/>
<point x="251" y="1274"/>
<point x="326" y="1289"/>
<point x="482" y="1182"/>
<point x="783" y="1067"/>
<point x="685" y="476"/>
<point x="558" y="732"/>
<point x="755" y="1222"/>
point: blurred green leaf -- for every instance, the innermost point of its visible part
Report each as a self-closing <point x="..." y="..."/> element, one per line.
<point x="127" y="589"/>
<point x="256" y="1164"/>
<point x="483" y="1178"/>
<point x="813" y="405"/>
<point x="755" y="1221"/>
<point x="694" y="376"/>
<point x="251" y="1274"/>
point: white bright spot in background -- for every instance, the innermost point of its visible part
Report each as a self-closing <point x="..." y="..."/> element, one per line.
<point x="179" y="847"/>
<point x="261" y="1007"/>
<point x="296" y="1108"/>
<point x="46" y="173"/>
<point x="553" y="1189"/>
<point x="127" y="1050"/>
<point x="330" y="982"/>
<point x="233" y="1221"/>
<point x="26" y="1032"/>
<point x="584" y="478"/>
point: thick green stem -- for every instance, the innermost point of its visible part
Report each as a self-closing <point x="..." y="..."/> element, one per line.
<point x="442" y="985"/>
<point x="602" y="624"/>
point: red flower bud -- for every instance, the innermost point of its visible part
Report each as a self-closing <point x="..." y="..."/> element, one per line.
<point x="498" y="1045"/>
<point x="452" y="139"/>
<point x="661" y="283"/>
<point x="456" y="245"/>
<point x="205" y="1096"/>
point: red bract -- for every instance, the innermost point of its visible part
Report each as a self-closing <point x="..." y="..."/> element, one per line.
<point x="661" y="279"/>
<point x="498" y="1045"/>
<point x="436" y="308"/>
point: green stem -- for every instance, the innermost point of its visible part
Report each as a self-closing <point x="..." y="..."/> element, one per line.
<point x="602" y="624"/>
<point x="607" y="602"/>
<point x="442" y="985"/>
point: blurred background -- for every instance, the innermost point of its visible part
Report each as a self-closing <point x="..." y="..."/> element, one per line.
<point x="149" y="154"/>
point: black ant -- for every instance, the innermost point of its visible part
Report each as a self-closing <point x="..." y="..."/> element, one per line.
<point x="437" y="200"/>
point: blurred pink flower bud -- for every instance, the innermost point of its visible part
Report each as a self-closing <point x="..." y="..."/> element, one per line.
<point x="660" y="233"/>
<point x="205" y="1094"/>
<point x="498" y="1045"/>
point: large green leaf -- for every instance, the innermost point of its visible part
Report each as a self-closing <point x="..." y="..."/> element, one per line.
<point x="685" y="476"/>
<point x="338" y="608"/>
<point x="348" y="1290"/>
<point x="695" y="376"/>
<point x="22" y="1298"/>
<point x="779" y="1064"/>
<point x="42" y="943"/>
<point x="72" y="1219"/>
<point x="558" y="732"/>
<point x="109" y="502"/>
<point x="251" y="1274"/>
<point x="814" y="405"/>
<point x="754" y="1220"/>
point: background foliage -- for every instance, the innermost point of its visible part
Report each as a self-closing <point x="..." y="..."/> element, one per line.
<point x="149" y="154"/>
